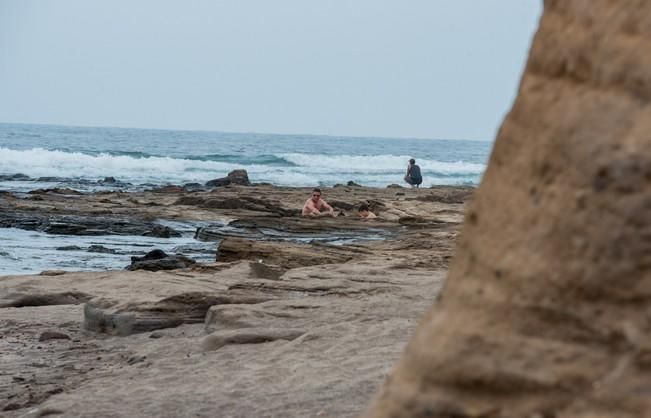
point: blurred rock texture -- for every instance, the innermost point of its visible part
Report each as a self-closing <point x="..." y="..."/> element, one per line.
<point x="547" y="307"/>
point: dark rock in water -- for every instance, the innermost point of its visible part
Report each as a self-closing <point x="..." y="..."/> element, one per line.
<point x="240" y="177"/>
<point x="56" y="190"/>
<point x="161" y="231"/>
<point x="194" y="187"/>
<point x="338" y="185"/>
<point x="50" y="179"/>
<point x="101" y="249"/>
<point x="14" y="177"/>
<point x="159" y="260"/>
<point x="353" y="184"/>
<point x="53" y="335"/>
<point x="152" y="255"/>
<point x="168" y="189"/>
<point x="86" y="225"/>
<point x="69" y="248"/>
<point x="108" y="180"/>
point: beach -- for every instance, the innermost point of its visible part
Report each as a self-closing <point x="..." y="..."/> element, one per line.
<point x="259" y="312"/>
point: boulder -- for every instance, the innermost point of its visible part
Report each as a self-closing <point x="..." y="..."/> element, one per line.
<point x="157" y="260"/>
<point x="240" y="177"/>
<point x="545" y="312"/>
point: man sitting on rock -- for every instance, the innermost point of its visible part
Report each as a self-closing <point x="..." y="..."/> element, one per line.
<point x="314" y="205"/>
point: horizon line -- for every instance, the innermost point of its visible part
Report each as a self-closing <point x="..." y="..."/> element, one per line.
<point x="247" y="132"/>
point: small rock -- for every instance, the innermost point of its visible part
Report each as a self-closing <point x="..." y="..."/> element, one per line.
<point x="240" y="177"/>
<point x="108" y="180"/>
<point x="69" y="248"/>
<point x="101" y="249"/>
<point x="161" y="231"/>
<point x="52" y="273"/>
<point x="53" y="335"/>
<point x="156" y="334"/>
<point x="353" y="184"/>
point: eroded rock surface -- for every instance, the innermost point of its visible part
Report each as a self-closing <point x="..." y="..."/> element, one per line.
<point x="545" y="311"/>
<point x="290" y="324"/>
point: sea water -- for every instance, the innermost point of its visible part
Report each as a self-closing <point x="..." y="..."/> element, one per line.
<point x="79" y="156"/>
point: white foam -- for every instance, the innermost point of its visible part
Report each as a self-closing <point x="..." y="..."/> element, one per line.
<point x="375" y="163"/>
<point x="308" y="170"/>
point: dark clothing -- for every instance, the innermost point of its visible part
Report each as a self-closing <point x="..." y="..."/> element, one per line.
<point x="413" y="176"/>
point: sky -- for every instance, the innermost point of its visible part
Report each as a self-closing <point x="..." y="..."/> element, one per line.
<point x="445" y="69"/>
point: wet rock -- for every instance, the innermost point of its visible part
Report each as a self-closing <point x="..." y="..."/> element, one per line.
<point x="50" y="179"/>
<point x="83" y="225"/>
<point x="161" y="231"/>
<point x="69" y="248"/>
<point x="394" y="186"/>
<point x="53" y="335"/>
<point x="101" y="249"/>
<point x="353" y="184"/>
<point x="168" y="189"/>
<point x="56" y="190"/>
<point x="157" y="260"/>
<point x="14" y="177"/>
<point x="194" y="187"/>
<point x="108" y="180"/>
<point x="240" y="177"/>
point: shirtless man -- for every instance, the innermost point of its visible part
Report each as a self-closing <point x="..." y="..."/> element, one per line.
<point x="315" y="204"/>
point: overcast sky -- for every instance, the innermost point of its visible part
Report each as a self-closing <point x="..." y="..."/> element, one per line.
<point x="394" y="68"/>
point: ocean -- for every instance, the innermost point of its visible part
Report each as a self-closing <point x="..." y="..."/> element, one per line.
<point x="78" y="157"/>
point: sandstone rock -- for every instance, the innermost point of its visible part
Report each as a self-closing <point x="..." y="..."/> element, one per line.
<point x="282" y="254"/>
<point x="142" y="314"/>
<point x="219" y="339"/>
<point x="545" y="309"/>
<point x="53" y="335"/>
<point x="240" y="177"/>
<point x="44" y="299"/>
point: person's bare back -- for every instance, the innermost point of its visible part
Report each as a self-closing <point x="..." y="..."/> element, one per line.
<point x="315" y="204"/>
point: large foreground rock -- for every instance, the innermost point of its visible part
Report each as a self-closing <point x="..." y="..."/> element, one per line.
<point x="546" y="308"/>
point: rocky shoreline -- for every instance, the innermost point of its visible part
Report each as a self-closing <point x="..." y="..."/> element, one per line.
<point x="295" y="317"/>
